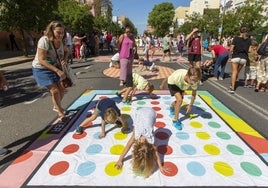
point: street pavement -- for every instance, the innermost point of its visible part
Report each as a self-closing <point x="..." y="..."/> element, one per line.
<point x="28" y="109"/>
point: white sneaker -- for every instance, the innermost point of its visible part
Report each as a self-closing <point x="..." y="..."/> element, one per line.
<point x="152" y="67"/>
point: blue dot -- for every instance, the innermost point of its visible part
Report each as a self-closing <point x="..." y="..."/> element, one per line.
<point x="182" y="135"/>
<point x="166" y="97"/>
<point x="265" y="156"/>
<point x="96" y="135"/>
<point x="94" y="149"/>
<point x="188" y="149"/>
<point x="196" y="169"/>
<point x="85" y="169"/>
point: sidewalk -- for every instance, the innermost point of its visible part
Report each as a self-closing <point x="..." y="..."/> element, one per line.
<point x="9" y="58"/>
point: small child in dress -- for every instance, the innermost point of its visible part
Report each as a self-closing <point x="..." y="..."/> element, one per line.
<point x="139" y="83"/>
<point x="83" y="50"/>
<point x="250" y="68"/>
<point x="109" y="112"/>
<point x="145" y="64"/>
<point x="144" y="155"/>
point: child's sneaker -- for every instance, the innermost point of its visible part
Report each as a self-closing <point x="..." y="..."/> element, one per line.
<point x="177" y="124"/>
<point x="171" y="110"/>
<point x="79" y="130"/>
<point x="118" y="95"/>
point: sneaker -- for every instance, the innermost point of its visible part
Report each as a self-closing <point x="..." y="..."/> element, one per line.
<point x="220" y="78"/>
<point x="118" y="95"/>
<point x="177" y="124"/>
<point x="230" y="90"/>
<point x="79" y="130"/>
<point x="171" y="110"/>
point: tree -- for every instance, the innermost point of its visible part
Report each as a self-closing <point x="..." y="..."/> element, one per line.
<point x="161" y="18"/>
<point x="17" y="15"/>
<point x="75" y="16"/>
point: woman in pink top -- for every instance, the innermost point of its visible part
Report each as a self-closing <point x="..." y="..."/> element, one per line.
<point x="77" y="45"/>
<point x="126" y="46"/>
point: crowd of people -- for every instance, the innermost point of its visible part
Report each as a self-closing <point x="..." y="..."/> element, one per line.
<point x="53" y="52"/>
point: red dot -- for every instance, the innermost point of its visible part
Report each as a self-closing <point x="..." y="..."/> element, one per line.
<point x="59" y="168"/>
<point x="160" y="124"/>
<point x="162" y="135"/>
<point x="25" y="156"/>
<point x="165" y="149"/>
<point x="155" y="102"/>
<point x="159" y="115"/>
<point x="72" y="148"/>
<point x="172" y="169"/>
<point x="79" y="136"/>
<point x="156" y="108"/>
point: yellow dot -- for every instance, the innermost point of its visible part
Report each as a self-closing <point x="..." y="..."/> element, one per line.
<point x="120" y="136"/>
<point x="203" y="135"/>
<point x="126" y="108"/>
<point x="110" y="169"/>
<point x="117" y="149"/>
<point x="211" y="149"/>
<point x="223" y="168"/>
<point x="196" y="124"/>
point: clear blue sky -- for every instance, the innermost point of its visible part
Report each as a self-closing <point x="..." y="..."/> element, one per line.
<point x="138" y="10"/>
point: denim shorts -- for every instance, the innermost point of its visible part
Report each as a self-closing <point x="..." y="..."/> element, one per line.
<point x="45" y="77"/>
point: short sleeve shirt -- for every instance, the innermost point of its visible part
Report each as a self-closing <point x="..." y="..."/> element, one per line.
<point x="177" y="78"/>
<point x="143" y="122"/>
<point x="105" y="103"/>
<point x="139" y="81"/>
<point x="51" y="56"/>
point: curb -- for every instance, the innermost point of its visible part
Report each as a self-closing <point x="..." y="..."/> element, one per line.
<point x="15" y="62"/>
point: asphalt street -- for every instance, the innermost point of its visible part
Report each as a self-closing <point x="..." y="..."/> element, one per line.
<point x="28" y="109"/>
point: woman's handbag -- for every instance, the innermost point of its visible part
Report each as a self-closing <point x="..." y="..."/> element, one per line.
<point x="69" y="80"/>
<point x="263" y="49"/>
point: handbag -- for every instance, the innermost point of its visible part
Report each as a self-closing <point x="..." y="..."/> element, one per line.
<point x="263" y="49"/>
<point x="69" y="80"/>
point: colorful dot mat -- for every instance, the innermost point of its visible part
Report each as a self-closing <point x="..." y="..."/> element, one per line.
<point x="214" y="148"/>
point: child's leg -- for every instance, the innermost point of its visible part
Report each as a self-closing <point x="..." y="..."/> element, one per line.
<point x="127" y="92"/>
<point x="177" y="105"/>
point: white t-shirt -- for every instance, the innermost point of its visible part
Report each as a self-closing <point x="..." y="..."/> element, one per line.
<point x="69" y="41"/>
<point x="51" y="57"/>
<point x="143" y="122"/>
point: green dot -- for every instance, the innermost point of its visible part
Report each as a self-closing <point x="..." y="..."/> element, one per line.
<point x="251" y="169"/>
<point x="235" y="149"/>
<point x="141" y="103"/>
<point x="223" y="135"/>
<point x="214" y="124"/>
<point x="196" y="103"/>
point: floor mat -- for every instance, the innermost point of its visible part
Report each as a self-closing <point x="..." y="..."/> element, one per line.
<point x="214" y="148"/>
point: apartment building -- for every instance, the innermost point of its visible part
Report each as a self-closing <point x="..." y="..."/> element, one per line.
<point x="198" y="6"/>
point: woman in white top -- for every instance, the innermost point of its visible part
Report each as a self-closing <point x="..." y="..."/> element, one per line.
<point x="50" y="56"/>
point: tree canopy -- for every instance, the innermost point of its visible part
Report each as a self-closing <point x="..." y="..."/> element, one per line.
<point x="161" y="18"/>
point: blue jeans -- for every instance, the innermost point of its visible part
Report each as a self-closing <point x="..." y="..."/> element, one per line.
<point x="221" y="62"/>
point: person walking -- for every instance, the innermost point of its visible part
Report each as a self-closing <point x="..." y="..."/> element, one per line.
<point x="13" y="41"/>
<point x="51" y="55"/>
<point x="239" y="55"/>
<point x="77" y="45"/>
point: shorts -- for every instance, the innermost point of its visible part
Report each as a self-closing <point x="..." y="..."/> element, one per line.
<point x="173" y="89"/>
<point x="45" y="77"/>
<point x="166" y="51"/>
<point x="194" y="57"/>
<point x="250" y="73"/>
<point x="239" y="60"/>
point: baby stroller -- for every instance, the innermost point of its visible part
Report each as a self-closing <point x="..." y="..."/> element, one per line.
<point x="207" y="68"/>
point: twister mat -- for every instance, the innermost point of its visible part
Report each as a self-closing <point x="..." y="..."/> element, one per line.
<point x="215" y="148"/>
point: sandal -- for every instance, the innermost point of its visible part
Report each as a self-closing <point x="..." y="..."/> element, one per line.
<point x="63" y="119"/>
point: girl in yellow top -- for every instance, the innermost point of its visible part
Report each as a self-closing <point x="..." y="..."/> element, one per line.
<point x="179" y="81"/>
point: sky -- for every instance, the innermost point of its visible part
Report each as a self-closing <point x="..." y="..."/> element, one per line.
<point x="138" y="10"/>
